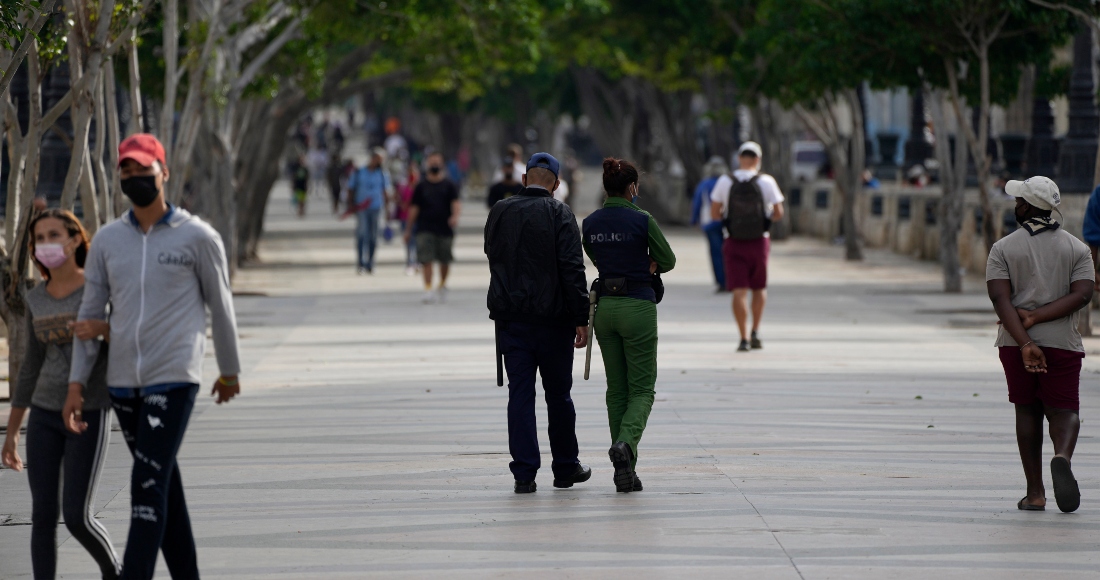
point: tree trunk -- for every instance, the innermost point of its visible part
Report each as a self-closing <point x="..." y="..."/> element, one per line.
<point x="953" y="182"/>
<point x="608" y="113"/>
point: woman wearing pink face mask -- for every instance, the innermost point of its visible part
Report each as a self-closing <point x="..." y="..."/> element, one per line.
<point x="59" y="245"/>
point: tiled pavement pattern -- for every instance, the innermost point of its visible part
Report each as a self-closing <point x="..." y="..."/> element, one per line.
<point x="871" y="438"/>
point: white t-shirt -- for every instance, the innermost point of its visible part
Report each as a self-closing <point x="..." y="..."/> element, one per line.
<point x="562" y="192"/>
<point x="518" y="170"/>
<point x="394" y="144"/>
<point x="768" y="188"/>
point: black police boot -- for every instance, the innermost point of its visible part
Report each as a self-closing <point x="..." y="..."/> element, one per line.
<point x="621" y="458"/>
<point x="525" y="486"/>
<point x="581" y="475"/>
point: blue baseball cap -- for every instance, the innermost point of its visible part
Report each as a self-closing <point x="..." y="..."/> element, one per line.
<point x="545" y="161"/>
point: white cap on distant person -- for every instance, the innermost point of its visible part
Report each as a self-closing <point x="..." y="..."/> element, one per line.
<point x="750" y="147"/>
<point x="1039" y="191"/>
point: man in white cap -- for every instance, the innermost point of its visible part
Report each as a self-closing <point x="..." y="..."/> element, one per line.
<point x="747" y="203"/>
<point x="1039" y="277"/>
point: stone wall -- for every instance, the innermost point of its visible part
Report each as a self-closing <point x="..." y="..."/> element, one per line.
<point x="904" y="219"/>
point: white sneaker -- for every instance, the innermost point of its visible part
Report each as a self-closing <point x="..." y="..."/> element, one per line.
<point x="410" y="271"/>
<point x="429" y="297"/>
<point x="442" y="294"/>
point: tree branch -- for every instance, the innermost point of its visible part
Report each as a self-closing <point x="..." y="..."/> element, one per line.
<point x="25" y="45"/>
<point x="266" y="55"/>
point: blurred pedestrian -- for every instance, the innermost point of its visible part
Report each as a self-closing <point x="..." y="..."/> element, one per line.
<point x="505" y="188"/>
<point x="700" y="216"/>
<point x="335" y="177"/>
<point x="404" y="201"/>
<point x="434" y="209"/>
<point x="538" y="297"/>
<point x="1090" y="230"/>
<point x="514" y="152"/>
<point x="299" y="184"/>
<point x="395" y="142"/>
<point x="61" y="459"/>
<point x="1039" y="277"/>
<point x="628" y="248"/>
<point x="161" y="269"/>
<point x="369" y="188"/>
<point x="747" y="203"/>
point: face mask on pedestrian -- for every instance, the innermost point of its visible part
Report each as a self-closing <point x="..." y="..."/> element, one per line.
<point x="434" y="169"/>
<point x="634" y="198"/>
<point x="141" y="189"/>
<point x="50" y="255"/>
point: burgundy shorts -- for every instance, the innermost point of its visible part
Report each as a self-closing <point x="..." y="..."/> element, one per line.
<point x="746" y="263"/>
<point x="1058" y="387"/>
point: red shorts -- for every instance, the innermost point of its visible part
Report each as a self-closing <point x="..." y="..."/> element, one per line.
<point x="1058" y="387"/>
<point x="746" y="263"/>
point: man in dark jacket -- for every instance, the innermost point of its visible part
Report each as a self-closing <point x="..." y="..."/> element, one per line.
<point x="538" y="297"/>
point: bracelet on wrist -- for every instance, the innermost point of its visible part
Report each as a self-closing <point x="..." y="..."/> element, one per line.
<point x="1026" y="343"/>
<point x="227" y="383"/>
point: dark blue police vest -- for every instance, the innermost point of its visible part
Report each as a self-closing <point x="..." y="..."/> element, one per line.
<point x="618" y="238"/>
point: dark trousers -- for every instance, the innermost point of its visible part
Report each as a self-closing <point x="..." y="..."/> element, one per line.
<point x="549" y="350"/>
<point x="713" y="230"/>
<point x="366" y="236"/>
<point x="49" y="447"/>
<point x="153" y="427"/>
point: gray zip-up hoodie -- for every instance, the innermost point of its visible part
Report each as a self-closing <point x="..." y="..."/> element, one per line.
<point x="158" y="284"/>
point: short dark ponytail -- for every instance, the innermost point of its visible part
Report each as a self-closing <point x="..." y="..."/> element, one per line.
<point x="618" y="174"/>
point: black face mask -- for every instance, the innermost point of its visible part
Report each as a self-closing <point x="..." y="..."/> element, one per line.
<point x="141" y="189"/>
<point x="434" y="169"/>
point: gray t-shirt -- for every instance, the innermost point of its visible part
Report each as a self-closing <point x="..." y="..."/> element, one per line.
<point x="44" y="375"/>
<point x="1041" y="268"/>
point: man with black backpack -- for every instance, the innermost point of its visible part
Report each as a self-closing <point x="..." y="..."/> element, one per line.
<point x="747" y="203"/>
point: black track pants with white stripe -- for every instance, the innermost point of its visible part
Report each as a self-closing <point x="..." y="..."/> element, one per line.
<point x="49" y="447"/>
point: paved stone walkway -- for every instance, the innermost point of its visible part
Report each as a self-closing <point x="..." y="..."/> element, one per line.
<point x="871" y="438"/>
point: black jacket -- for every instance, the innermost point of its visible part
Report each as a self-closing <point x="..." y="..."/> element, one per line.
<point x="535" y="261"/>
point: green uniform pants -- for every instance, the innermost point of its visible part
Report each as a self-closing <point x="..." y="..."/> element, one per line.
<point x="626" y="329"/>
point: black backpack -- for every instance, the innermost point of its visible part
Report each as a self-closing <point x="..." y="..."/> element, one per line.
<point x="745" y="218"/>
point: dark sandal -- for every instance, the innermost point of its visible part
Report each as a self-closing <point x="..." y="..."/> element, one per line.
<point x="1030" y="507"/>
<point x="1066" y="491"/>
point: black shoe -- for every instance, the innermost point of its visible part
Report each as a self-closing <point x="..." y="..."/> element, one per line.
<point x="1066" y="491"/>
<point x="621" y="458"/>
<point x="755" y="342"/>
<point x="744" y="346"/>
<point x="637" y="483"/>
<point x="525" y="486"/>
<point x="581" y="475"/>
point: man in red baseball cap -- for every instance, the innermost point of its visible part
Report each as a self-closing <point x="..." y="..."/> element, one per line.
<point x="160" y="268"/>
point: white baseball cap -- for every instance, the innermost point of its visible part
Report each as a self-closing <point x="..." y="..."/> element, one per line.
<point x="750" y="147"/>
<point x="1039" y="191"/>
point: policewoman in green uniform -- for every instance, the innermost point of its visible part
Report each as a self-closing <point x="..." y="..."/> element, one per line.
<point x="628" y="248"/>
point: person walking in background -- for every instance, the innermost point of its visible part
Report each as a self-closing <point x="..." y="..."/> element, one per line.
<point x="394" y="143"/>
<point x="1090" y="230"/>
<point x="514" y="152"/>
<point x="434" y="210"/>
<point x="160" y="268"/>
<point x="369" y="189"/>
<point x="404" y="201"/>
<point x="538" y="297"/>
<point x="628" y="248"/>
<point x="747" y="203"/>
<point x="59" y="247"/>
<point x="335" y="177"/>
<point x="507" y="187"/>
<point x="299" y="183"/>
<point x="1039" y="277"/>
<point x="700" y="216"/>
